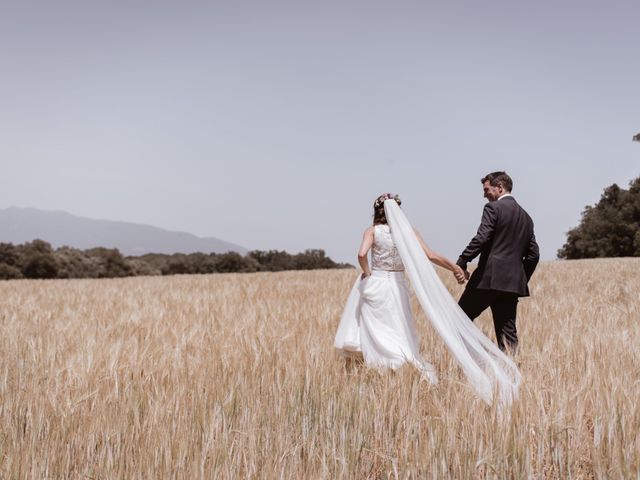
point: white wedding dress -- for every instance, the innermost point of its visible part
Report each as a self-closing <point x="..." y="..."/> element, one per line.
<point x="377" y="320"/>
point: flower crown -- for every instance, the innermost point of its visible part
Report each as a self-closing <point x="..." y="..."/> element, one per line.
<point x="386" y="196"/>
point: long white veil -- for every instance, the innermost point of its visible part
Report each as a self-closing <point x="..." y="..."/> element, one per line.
<point x="487" y="368"/>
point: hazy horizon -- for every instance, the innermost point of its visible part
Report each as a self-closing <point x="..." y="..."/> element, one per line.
<point x="276" y="125"/>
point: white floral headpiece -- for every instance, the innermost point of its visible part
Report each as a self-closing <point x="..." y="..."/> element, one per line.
<point x="386" y="196"/>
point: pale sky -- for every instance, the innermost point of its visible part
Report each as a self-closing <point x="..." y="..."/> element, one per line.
<point x="275" y="124"/>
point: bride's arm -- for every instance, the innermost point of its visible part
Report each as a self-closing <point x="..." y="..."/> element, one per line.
<point x="365" y="246"/>
<point x="439" y="260"/>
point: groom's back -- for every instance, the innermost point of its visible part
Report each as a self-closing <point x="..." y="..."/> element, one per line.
<point x="501" y="264"/>
<point x="514" y="229"/>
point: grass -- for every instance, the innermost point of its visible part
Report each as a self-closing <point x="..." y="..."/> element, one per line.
<point x="234" y="376"/>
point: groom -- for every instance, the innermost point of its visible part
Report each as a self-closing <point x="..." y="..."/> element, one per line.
<point x="508" y="256"/>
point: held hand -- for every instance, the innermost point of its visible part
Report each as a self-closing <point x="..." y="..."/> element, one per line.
<point x="467" y="274"/>
<point x="364" y="275"/>
<point x="461" y="275"/>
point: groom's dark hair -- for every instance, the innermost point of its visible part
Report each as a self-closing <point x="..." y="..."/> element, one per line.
<point x="499" y="178"/>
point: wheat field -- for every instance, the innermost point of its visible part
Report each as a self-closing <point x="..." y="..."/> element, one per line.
<point x="234" y="376"/>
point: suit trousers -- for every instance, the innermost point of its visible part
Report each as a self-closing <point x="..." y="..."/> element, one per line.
<point x="503" y="307"/>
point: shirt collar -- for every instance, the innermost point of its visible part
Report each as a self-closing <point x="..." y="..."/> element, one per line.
<point x="505" y="195"/>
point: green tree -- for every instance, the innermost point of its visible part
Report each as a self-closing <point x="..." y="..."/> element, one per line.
<point x="9" y="254"/>
<point x="75" y="263"/>
<point x="40" y="266"/>
<point x="140" y="267"/>
<point x="273" y="260"/>
<point x="313" y="259"/>
<point x="178" y="263"/>
<point x="233" y="262"/>
<point x="110" y="262"/>
<point x="37" y="260"/>
<point x="9" y="272"/>
<point x="611" y="228"/>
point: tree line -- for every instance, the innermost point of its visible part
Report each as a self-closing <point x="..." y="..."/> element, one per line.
<point x="38" y="259"/>
<point x="610" y="228"/>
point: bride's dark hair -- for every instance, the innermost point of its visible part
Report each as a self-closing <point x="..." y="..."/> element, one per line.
<point x="379" y="217"/>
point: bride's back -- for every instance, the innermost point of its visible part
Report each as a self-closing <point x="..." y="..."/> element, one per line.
<point x="384" y="254"/>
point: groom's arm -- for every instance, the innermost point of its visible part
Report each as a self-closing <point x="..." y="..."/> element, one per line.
<point x="530" y="261"/>
<point x="482" y="238"/>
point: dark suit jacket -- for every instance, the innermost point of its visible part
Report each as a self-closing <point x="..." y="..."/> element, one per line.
<point x="507" y="247"/>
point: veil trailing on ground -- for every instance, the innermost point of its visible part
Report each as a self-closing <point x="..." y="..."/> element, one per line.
<point x="487" y="368"/>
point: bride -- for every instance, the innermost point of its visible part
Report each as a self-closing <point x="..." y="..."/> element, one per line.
<point x="377" y="322"/>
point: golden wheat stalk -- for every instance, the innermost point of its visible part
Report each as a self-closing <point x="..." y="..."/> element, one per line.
<point x="234" y="376"/>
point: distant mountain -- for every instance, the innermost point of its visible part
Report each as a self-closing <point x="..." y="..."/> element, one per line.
<point x="19" y="225"/>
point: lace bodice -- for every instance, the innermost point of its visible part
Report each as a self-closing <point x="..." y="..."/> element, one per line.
<point x="384" y="255"/>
